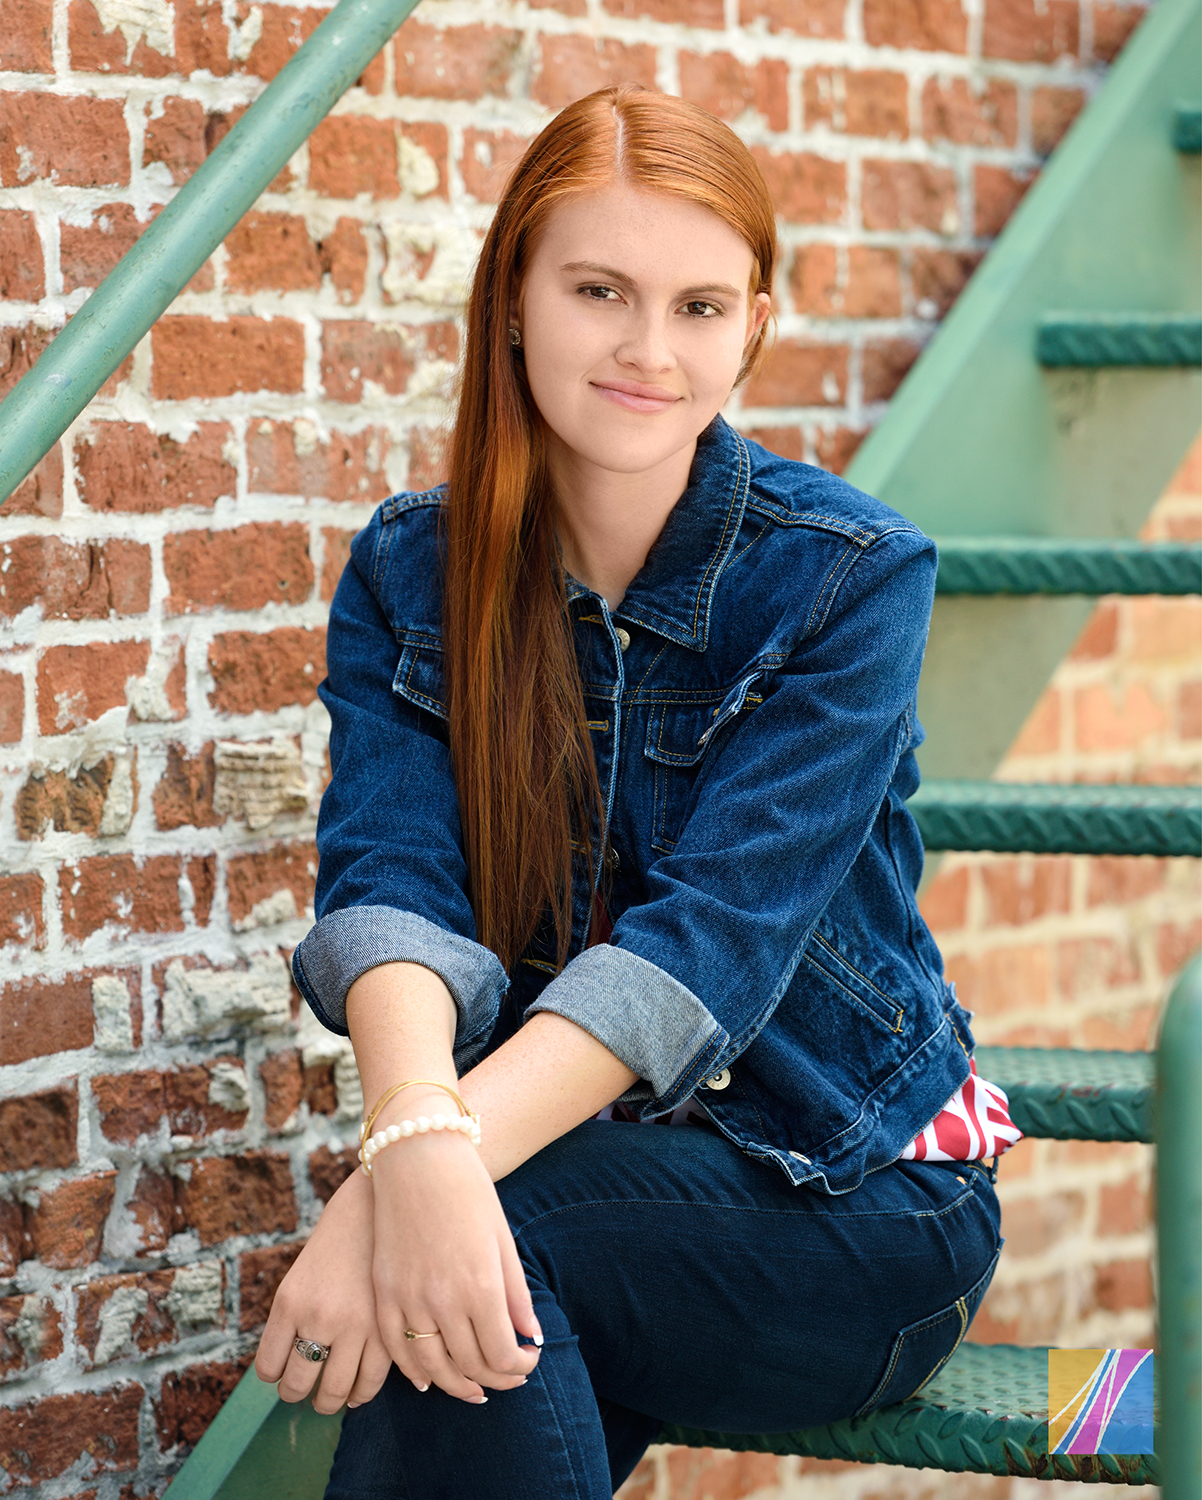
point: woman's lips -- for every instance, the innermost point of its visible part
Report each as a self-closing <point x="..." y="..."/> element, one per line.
<point x="631" y="396"/>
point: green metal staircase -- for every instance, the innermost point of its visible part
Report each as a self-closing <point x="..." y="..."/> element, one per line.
<point x="1033" y="436"/>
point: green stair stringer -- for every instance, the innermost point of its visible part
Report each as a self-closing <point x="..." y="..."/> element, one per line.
<point x="981" y="441"/>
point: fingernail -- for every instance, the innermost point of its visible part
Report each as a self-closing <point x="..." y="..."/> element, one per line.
<point x="538" y="1341"/>
<point x="479" y="1400"/>
<point x="351" y="1405"/>
<point x="417" y="1387"/>
<point x="523" y="1380"/>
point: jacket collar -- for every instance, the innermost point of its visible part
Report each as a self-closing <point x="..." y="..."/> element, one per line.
<point x="673" y="592"/>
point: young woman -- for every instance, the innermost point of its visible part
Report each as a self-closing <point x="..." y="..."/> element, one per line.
<point x="622" y="731"/>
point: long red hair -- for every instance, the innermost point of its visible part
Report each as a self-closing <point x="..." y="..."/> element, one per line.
<point x="527" y="784"/>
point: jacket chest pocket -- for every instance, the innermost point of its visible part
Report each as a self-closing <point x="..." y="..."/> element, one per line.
<point x="678" y="737"/>
<point x="419" y="677"/>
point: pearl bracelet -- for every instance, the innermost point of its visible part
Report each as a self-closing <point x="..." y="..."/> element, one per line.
<point x="374" y="1144"/>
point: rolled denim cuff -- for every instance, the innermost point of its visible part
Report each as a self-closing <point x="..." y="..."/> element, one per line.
<point x="647" y="1019"/>
<point x="345" y="944"/>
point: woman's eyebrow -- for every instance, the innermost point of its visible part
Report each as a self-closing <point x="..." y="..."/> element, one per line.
<point x="709" y="289"/>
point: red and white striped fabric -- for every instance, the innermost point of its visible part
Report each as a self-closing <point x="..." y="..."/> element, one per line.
<point x="973" y="1124"/>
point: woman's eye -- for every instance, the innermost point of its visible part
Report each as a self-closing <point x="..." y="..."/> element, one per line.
<point x="702" y="310"/>
<point x="598" y="293"/>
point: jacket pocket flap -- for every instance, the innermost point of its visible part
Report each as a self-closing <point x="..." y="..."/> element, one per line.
<point x="419" y="677"/>
<point x="678" y="734"/>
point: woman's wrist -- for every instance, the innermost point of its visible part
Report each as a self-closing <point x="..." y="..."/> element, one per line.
<point x="412" y="1118"/>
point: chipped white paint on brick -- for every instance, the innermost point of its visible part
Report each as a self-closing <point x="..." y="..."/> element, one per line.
<point x="257" y="781"/>
<point x="428" y="264"/>
<point x="152" y="19"/>
<point x="118" y="1315"/>
<point x="114" y="1032"/>
<point x="273" y="910"/>
<point x="229" y="1087"/>
<point x="207" y="1002"/>
<point x="118" y="811"/>
<point x="195" y="1296"/>
<point x="29" y="1326"/>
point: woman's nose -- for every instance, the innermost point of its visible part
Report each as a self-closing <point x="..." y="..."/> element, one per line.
<point x="646" y="345"/>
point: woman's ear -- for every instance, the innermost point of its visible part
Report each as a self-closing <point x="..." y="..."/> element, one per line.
<point x="757" y="316"/>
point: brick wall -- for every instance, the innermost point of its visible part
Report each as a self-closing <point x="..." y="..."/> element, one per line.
<point x="170" y="1123"/>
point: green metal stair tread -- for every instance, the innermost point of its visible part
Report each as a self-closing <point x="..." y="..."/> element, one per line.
<point x="1054" y="565"/>
<point x="1187" y="129"/>
<point x="986" y="1412"/>
<point x="1096" y="340"/>
<point x="1067" y="1095"/>
<point x="1011" y="817"/>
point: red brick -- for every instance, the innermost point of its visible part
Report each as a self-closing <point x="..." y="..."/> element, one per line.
<point x="872" y="103"/>
<point x="12" y="1236"/>
<point x="202" y="877"/>
<point x="152" y="1329"/>
<point x="702" y="1473"/>
<point x="88" y="252"/>
<point x="38" y="1130"/>
<point x="66" y="803"/>
<point x="12" y="707"/>
<point x="130" y="1104"/>
<point x="1040" y="735"/>
<point x="717" y="81"/>
<point x="272" y="252"/>
<point x="945" y="901"/>
<point x="260" y="1274"/>
<point x="328" y="1170"/>
<point x="262" y="672"/>
<point x="1117" y="881"/>
<point x="190" y="1399"/>
<point x="132" y="895"/>
<point x="228" y="1195"/>
<point x="1030" y="30"/>
<point x="184" y="796"/>
<point x="1125" y="1208"/>
<point x="285" y="30"/>
<point x="190" y="1111"/>
<point x="1112" y="25"/>
<point x="886" y="364"/>
<point x="243" y="568"/>
<point x="835" y="448"/>
<point x="910" y="195"/>
<point x="25" y="42"/>
<point x="1106" y="720"/>
<point x="293" y="459"/>
<point x="152" y="1208"/>
<point x="175" y="136"/>
<point x="21" y="912"/>
<point x="47" y="1341"/>
<point x="1176" y="943"/>
<point x="252" y="878"/>
<point x="195" y="356"/>
<point x="955" y="110"/>
<point x="126" y="467"/>
<point x="928" y="25"/>
<point x="1189" y="710"/>
<point x="939" y="277"/>
<point x="20" y="349"/>
<point x="42" y="1016"/>
<point x="671" y="12"/>
<point x="571" y="66"/>
<point x="69" y="140"/>
<point x="41" y="493"/>
<point x="22" y="277"/>
<point x="466" y="62"/>
<point x="353" y="352"/>
<point x="806" y="189"/>
<point x="997" y="193"/>
<point x="1021" y="890"/>
<point x="337" y="549"/>
<point x="321" y="1095"/>
<point x="93" y="50"/>
<point x="1123" y="1284"/>
<point x="46" y="1438"/>
<point x="79" y="683"/>
<point x="427" y="457"/>
<point x="343" y="258"/>
<point x="202" y="40"/>
<point x="489" y="156"/>
<point x="1052" y="112"/>
<point x="1032" y="1225"/>
<point x="814" y="18"/>
<point x="1100" y="637"/>
<point x="1003" y="979"/>
<point x="783" y="440"/>
<point x="800" y="374"/>
<point x="67" y="1226"/>
<point x="351" y="154"/>
<point x="75" y="581"/>
<point x="283" y="1085"/>
<point x="1090" y="965"/>
<point x="864" y="281"/>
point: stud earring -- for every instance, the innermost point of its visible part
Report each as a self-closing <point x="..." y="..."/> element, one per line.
<point x="515" y="338"/>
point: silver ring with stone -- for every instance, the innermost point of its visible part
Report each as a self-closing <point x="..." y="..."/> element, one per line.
<point x="310" y="1349"/>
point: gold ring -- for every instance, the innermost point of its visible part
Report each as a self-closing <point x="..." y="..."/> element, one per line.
<point x="411" y="1335"/>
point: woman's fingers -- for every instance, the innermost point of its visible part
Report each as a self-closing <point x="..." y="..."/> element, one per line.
<point x="517" y="1293"/>
<point x="444" y="1371"/>
<point x="374" y="1365"/>
<point x="300" y="1374"/>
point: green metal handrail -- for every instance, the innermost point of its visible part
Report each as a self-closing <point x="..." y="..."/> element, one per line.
<point x="47" y="400"/>
<point x="1060" y="565"/>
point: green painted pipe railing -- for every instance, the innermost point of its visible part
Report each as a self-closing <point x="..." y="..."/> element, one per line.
<point x="1179" y="1234"/>
<point x="1060" y="565"/>
<point x="48" y="399"/>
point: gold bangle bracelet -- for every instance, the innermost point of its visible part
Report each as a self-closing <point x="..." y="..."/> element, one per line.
<point x="365" y="1129"/>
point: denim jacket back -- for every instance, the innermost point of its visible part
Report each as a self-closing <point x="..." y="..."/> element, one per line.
<point x="752" y="709"/>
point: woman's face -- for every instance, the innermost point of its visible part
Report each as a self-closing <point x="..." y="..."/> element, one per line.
<point x="634" y="313"/>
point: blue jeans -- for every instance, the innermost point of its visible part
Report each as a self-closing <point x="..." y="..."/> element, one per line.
<point x="678" y="1279"/>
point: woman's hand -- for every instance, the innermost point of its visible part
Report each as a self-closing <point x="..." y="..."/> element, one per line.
<point x="445" y="1262"/>
<point x="327" y="1296"/>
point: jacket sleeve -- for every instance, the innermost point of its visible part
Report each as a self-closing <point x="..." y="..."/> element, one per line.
<point x="782" y="806"/>
<point x="391" y="882"/>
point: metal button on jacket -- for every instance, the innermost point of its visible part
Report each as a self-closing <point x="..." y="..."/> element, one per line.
<point x="798" y="1157"/>
<point x="623" y="636"/>
<point x="719" y="1080"/>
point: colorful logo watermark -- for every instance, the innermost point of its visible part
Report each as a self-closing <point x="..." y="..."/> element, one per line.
<point x="1100" y="1401"/>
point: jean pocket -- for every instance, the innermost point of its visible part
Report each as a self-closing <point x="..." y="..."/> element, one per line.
<point x="922" y="1349"/>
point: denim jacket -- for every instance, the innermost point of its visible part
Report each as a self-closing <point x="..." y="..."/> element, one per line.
<point x="752" y="709"/>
